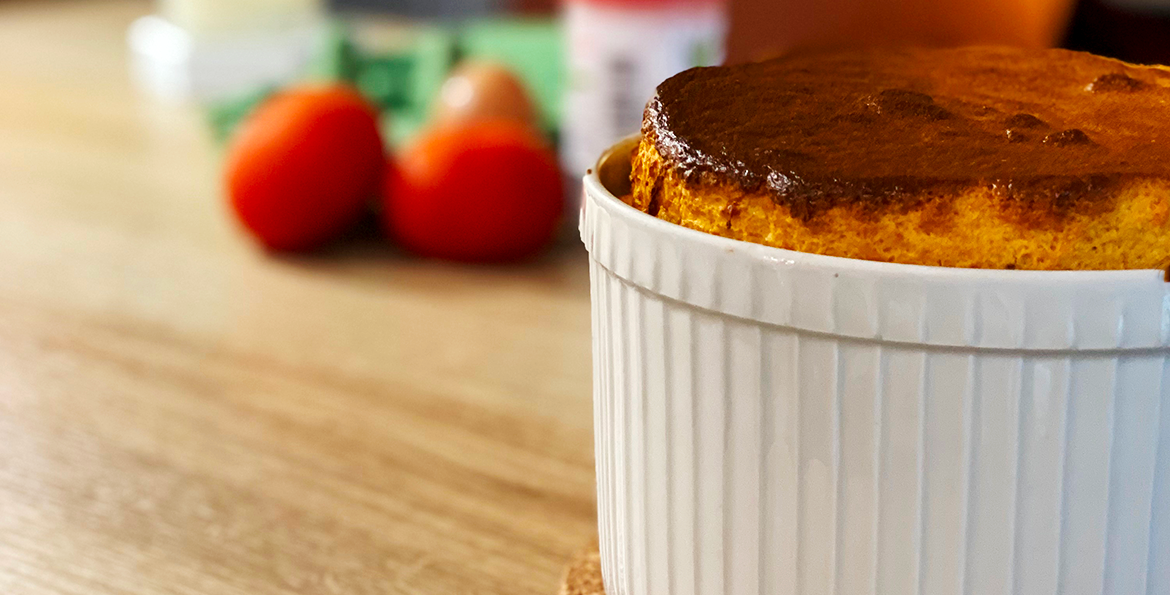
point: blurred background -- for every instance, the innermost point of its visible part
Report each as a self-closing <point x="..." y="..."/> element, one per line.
<point x="290" y="295"/>
<point x="586" y="66"/>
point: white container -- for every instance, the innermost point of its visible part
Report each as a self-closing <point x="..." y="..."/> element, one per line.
<point x="779" y="423"/>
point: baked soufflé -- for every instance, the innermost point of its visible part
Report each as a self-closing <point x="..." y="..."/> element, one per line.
<point x="975" y="157"/>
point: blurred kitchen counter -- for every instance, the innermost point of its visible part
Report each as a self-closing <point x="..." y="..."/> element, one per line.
<point x="180" y="413"/>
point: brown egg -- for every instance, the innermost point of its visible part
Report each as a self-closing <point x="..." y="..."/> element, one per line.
<point x="483" y="91"/>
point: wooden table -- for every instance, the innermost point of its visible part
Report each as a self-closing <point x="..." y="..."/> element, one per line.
<point x="182" y="413"/>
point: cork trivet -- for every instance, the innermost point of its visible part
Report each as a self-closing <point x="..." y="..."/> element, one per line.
<point x="583" y="577"/>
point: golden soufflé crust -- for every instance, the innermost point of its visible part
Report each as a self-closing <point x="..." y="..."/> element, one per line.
<point x="976" y="157"/>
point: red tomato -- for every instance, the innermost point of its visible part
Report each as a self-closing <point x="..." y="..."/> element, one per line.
<point x="301" y="167"/>
<point x="487" y="191"/>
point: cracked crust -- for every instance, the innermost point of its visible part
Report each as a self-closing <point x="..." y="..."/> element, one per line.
<point x="974" y="157"/>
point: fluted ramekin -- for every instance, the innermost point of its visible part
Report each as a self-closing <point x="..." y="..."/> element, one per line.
<point x="770" y="422"/>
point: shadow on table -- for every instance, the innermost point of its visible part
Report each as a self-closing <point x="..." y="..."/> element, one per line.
<point x="364" y="256"/>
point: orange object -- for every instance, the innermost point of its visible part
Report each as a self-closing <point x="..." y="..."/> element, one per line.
<point x="301" y="168"/>
<point x="488" y="191"/>
<point x="483" y="91"/>
<point x="767" y="28"/>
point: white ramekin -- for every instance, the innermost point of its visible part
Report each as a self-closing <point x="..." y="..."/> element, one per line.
<point x="779" y="423"/>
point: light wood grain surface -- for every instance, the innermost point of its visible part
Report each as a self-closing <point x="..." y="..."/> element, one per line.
<point x="181" y="413"/>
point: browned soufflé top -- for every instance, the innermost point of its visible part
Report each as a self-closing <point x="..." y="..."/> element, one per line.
<point x="878" y="126"/>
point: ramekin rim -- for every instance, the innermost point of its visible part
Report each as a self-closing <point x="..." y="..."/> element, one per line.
<point x="762" y="253"/>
